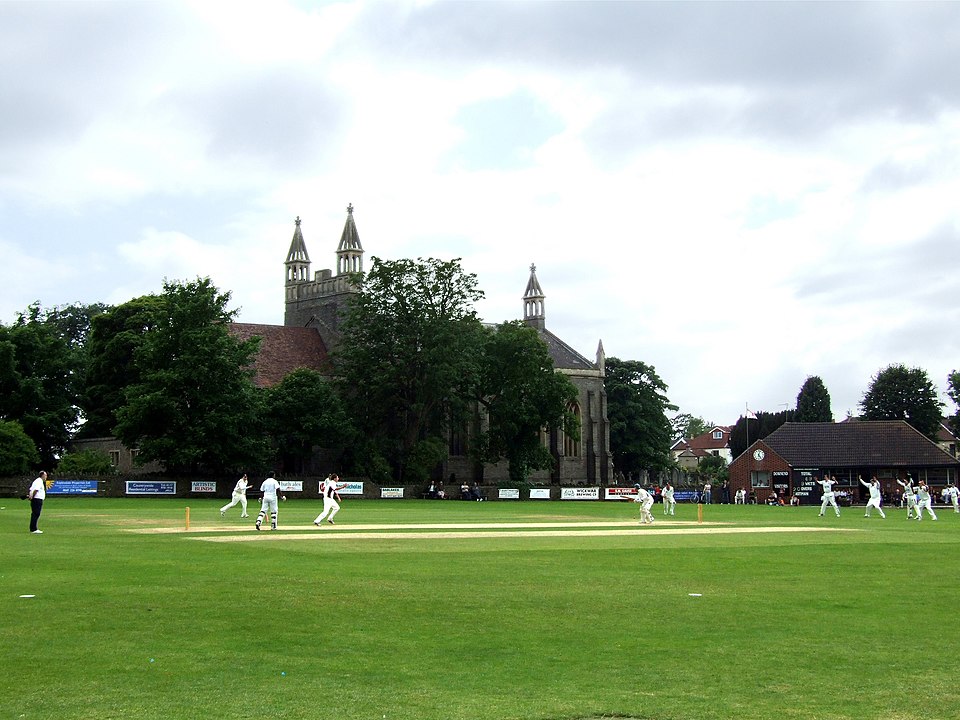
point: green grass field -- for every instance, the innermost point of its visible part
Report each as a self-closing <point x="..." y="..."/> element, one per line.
<point x="855" y="622"/>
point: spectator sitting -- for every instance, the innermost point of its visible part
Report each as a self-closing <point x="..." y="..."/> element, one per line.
<point x="773" y="500"/>
<point x="464" y="491"/>
<point x="475" y="492"/>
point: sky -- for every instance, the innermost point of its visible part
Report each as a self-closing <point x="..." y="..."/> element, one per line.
<point x="740" y="194"/>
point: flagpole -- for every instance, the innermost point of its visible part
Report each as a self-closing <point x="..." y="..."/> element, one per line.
<point x="746" y="419"/>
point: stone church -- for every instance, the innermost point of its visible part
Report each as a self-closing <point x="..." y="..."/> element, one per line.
<point x="315" y="304"/>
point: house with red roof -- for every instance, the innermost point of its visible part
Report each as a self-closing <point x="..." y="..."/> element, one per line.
<point x="715" y="441"/>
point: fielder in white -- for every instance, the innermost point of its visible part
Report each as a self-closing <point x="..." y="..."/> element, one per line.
<point x="924" y="501"/>
<point x="874" y="502"/>
<point x="271" y="491"/>
<point x="331" y="485"/>
<point x="909" y="496"/>
<point x="646" y="502"/>
<point x="669" y="504"/>
<point x="828" y="496"/>
<point x="239" y="496"/>
<point x="954" y="494"/>
<point x="740" y="497"/>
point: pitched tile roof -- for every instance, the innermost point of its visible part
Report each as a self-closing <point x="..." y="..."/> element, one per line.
<point x="564" y="357"/>
<point x="706" y="441"/>
<point x="890" y="443"/>
<point x="283" y="349"/>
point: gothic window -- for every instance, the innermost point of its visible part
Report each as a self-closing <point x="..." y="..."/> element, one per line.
<point x="458" y="440"/>
<point x="571" y="446"/>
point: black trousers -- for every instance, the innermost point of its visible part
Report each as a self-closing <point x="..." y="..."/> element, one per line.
<point x="36" y="506"/>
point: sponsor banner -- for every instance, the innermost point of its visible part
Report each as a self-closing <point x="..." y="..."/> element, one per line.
<point x="683" y="495"/>
<point x="72" y="487"/>
<point x="391" y="493"/>
<point x="616" y="493"/>
<point x="291" y="485"/>
<point x="158" y="487"/>
<point x="352" y="488"/>
<point x="203" y="487"/>
<point x="509" y="494"/>
<point x="539" y="493"/>
<point x="580" y="493"/>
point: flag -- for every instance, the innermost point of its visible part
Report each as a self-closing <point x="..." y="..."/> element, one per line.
<point x="751" y="415"/>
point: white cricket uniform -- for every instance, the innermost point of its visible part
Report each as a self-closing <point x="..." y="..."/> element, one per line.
<point x="669" y="504"/>
<point x="740" y="497"/>
<point x="874" y="501"/>
<point x="646" y="502"/>
<point x="270" y="488"/>
<point x="828" y="496"/>
<point x="330" y="505"/>
<point x="910" y="495"/>
<point x="954" y="493"/>
<point x="239" y="496"/>
<point x="924" y="501"/>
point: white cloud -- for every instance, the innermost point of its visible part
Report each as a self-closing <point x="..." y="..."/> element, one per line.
<point x="740" y="195"/>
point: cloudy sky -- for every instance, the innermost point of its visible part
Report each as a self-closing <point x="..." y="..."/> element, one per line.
<point x="739" y="194"/>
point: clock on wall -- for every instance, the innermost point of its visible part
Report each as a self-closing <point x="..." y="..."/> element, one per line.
<point x="758" y="454"/>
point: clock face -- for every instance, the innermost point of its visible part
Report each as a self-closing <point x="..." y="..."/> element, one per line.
<point x="758" y="454"/>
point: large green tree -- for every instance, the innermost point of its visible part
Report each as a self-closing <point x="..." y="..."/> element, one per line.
<point x="302" y="412"/>
<point x="40" y="374"/>
<point x="522" y="395"/>
<point x="899" y="392"/>
<point x="686" y="426"/>
<point x="953" y="390"/>
<point x="408" y="360"/>
<point x="115" y="335"/>
<point x="637" y="406"/>
<point x="748" y="430"/>
<point x="194" y="407"/>
<point x="813" y="402"/>
<point x="18" y="453"/>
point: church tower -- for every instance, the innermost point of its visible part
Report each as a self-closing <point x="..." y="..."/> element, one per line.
<point x="534" y="312"/>
<point x="322" y="300"/>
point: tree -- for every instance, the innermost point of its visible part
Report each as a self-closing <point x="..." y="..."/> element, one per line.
<point x="194" y="408"/>
<point x="522" y="395"/>
<point x="302" y="412"/>
<point x="39" y="381"/>
<point x="813" y="402"/>
<point x="953" y="390"/>
<point x="408" y="360"/>
<point x="18" y="453"/>
<point x="748" y="430"/>
<point x="640" y="433"/>
<point x="686" y="426"/>
<point x="714" y="468"/>
<point x="86" y="461"/>
<point x="901" y="393"/>
<point x="115" y="335"/>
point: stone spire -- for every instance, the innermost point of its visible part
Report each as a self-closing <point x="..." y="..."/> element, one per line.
<point x="601" y="358"/>
<point x="533" y="302"/>
<point x="298" y="260"/>
<point x="350" y="251"/>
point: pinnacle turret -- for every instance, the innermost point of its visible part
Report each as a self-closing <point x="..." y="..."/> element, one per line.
<point x="534" y="312"/>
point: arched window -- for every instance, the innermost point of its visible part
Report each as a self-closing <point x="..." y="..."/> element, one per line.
<point x="571" y="446"/>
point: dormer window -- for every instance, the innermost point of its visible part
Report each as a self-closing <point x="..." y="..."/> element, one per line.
<point x="718" y="434"/>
